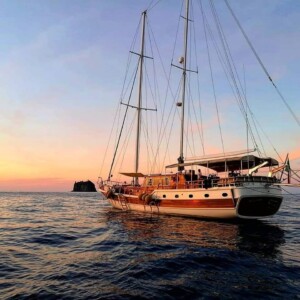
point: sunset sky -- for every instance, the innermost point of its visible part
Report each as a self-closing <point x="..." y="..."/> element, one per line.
<point x="61" y="72"/>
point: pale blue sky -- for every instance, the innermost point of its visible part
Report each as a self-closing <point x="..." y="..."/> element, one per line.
<point x="62" y="64"/>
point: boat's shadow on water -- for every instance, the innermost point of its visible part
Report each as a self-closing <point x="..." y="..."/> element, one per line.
<point x="257" y="237"/>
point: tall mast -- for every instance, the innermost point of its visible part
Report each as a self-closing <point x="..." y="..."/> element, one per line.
<point x="186" y="27"/>
<point x="139" y="109"/>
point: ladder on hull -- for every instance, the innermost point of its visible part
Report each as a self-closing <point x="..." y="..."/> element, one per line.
<point x="123" y="202"/>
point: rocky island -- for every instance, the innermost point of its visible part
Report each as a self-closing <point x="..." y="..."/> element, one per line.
<point x="84" y="186"/>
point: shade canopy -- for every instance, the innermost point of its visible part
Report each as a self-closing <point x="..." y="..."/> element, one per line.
<point x="232" y="163"/>
<point x="132" y="174"/>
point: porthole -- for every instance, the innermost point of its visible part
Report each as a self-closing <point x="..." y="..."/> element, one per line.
<point x="164" y="196"/>
<point x="206" y="195"/>
<point x="191" y="195"/>
<point x="224" y="194"/>
<point x="176" y="196"/>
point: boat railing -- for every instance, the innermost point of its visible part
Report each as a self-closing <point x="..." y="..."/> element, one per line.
<point x="264" y="179"/>
<point x="227" y="181"/>
<point x="206" y="182"/>
<point x="135" y="190"/>
<point x="113" y="183"/>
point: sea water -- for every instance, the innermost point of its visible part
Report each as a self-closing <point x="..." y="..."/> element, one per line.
<point x="75" y="246"/>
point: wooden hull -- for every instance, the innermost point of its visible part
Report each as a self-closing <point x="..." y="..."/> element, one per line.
<point x="219" y="213"/>
<point x="248" y="202"/>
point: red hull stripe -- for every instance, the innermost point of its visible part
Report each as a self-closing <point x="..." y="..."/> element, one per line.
<point x="213" y="203"/>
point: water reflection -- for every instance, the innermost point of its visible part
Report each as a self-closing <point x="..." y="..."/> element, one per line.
<point x="253" y="236"/>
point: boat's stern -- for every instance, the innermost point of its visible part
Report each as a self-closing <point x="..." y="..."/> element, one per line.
<point x="258" y="207"/>
<point x="258" y="202"/>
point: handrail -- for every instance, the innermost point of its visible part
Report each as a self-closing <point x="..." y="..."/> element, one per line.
<point x="199" y="183"/>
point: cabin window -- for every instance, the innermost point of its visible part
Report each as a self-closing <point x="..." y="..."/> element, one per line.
<point x="191" y="195"/>
<point x="224" y="194"/>
<point x="206" y="195"/>
<point x="164" y="196"/>
<point x="150" y="182"/>
<point x="167" y="181"/>
<point x="176" y="196"/>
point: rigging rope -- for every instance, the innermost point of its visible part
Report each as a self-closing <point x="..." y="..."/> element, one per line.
<point x="121" y="130"/>
<point x="291" y="194"/>
<point x="266" y="136"/>
<point x="228" y="67"/>
<point x="169" y="137"/>
<point x="295" y="175"/>
<point x="163" y="127"/>
<point x="110" y="135"/>
<point x="151" y="5"/>
<point x="156" y="89"/>
<point x="235" y="78"/>
<point x="212" y="79"/>
<point x="199" y="124"/>
<point x="123" y="92"/>
<point x="261" y="63"/>
<point x="167" y="76"/>
<point x="149" y="133"/>
<point x="125" y="145"/>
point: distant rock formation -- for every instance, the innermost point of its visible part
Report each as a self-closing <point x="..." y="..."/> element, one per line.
<point x="84" y="186"/>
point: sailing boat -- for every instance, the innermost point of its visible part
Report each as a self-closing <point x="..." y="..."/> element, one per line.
<point x="223" y="186"/>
